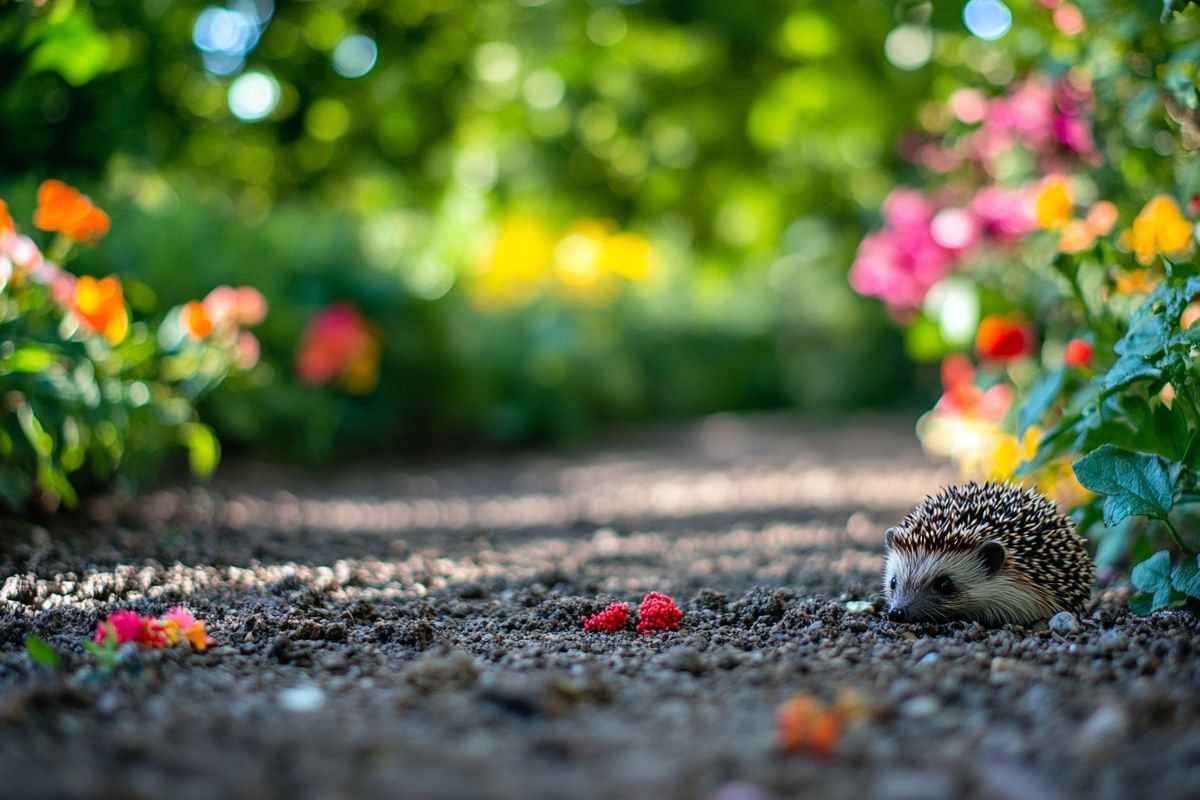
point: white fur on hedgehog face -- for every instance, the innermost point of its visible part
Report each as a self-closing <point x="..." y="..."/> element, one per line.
<point x="928" y="587"/>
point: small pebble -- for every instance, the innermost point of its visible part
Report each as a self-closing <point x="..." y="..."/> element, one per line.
<point x="1103" y="732"/>
<point x="921" y="707"/>
<point x="928" y="660"/>
<point x="302" y="699"/>
<point x="859" y="607"/>
<point x="1064" y="623"/>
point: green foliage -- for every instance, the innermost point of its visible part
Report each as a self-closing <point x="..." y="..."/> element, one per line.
<point x="41" y="653"/>
<point x="1133" y="483"/>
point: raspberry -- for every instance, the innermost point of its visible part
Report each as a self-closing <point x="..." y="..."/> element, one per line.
<point x="658" y="613"/>
<point x="610" y="620"/>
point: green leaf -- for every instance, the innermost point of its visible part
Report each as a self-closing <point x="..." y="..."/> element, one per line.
<point x="1128" y="369"/>
<point x="1186" y="577"/>
<point x="72" y="47"/>
<point x="29" y="359"/>
<point x="1041" y="397"/>
<point x="1172" y="6"/>
<point x="1171" y="430"/>
<point x="1134" y="483"/>
<point x="1141" y="603"/>
<point x="204" y="451"/>
<point x="42" y="653"/>
<point x="1154" y="577"/>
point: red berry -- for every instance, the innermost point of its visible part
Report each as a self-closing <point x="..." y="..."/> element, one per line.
<point x="658" y="613"/>
<point x="1078" y="353"/>
<point x="610" y="620"/>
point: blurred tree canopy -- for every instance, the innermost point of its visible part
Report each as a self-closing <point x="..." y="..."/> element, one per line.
<point x="370" y="150"/>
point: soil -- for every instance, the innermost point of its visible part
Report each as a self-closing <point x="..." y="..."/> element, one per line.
<point x="414" y="630"/>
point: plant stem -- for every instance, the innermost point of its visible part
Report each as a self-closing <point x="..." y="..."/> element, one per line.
<point x="1177" y="538"/>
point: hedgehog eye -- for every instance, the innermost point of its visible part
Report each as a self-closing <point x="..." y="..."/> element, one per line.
<point x="893" y="583"/>
<point x="943" y="585"/>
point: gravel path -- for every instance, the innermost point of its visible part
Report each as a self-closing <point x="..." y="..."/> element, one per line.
<point x="414" y="631"/>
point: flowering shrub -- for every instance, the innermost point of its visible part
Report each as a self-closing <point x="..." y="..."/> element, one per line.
<point x="88" y="390"/>
<point x="1053" y="240"/>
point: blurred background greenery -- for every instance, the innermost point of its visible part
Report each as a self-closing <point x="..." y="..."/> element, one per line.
<point x="555" y="214"/>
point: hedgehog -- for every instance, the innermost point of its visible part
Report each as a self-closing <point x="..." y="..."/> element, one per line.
<point x="993" y="553"/>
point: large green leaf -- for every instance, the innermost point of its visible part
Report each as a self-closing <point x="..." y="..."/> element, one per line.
<point x="1153" y="576"/>
<point x="1134" y="483"/>
<point x="1186" y="577"/>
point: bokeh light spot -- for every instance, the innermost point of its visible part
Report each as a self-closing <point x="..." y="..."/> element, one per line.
<point x="987" y="19"/>
<point x="496" y="62"/>
<point x="909" y="47"/>
<point x="327" y="119"/>
<point x="355" y="56"/>
<point x="253" y="96"/>
<point x="544" y="88"/>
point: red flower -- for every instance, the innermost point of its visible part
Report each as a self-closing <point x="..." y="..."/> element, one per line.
<point x="658" y="613"/>
<point x="1078" y="353"/>
<point x="342" y="346"/>
<point x="1004" y="338"/>
<point x="610" y="620"/>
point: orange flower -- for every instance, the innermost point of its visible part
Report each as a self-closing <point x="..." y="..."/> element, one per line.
<point x="1053" y="202"/>
<point x="1159" y="229"/>
<point x="1075" y="237"/>
<point x="1102" y="217"/>
<point x="196" y="635"/>
<point x="100" y="306"/>
<point x="66" y="210"/>
<point x="6" y="220"/>
<point x="804" y="723"/>
<point x="196" y="320"/>
<point x="1004" y="338"/>
<point x="1137" y="281"/>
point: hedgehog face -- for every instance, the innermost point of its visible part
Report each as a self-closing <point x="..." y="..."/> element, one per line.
<point x="925" y="586"/>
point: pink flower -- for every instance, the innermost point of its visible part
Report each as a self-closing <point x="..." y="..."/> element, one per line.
<point x="180" y="616"/>
<point x="127" y="625"/>
<point x="1002" y="214"/>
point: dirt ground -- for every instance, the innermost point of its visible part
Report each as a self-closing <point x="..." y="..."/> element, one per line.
<point x="413" y="631"/>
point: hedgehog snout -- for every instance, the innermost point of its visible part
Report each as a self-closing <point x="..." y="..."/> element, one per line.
<point x="897" y="614"/>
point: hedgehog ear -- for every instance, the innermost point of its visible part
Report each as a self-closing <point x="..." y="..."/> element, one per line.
<point x="992" y="554"/>
<point x="888" y="536"/>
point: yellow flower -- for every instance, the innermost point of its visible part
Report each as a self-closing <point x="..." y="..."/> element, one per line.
<point x="1011" y="452"/>
<point x="580" y="265"/>
<point x="516" y="268"/>
<point x="1053" y="203"/>
<point x="1160" y="229"/>
<point x="629" y="255"/>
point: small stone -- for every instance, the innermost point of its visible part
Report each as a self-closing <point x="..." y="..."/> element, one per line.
<point x="1113" y="641"/>
<point x="859" y="607"/>
<point x="928" y="659"/>
<point x="739" y="790"/>
<point x="1103" y="732"/>
<point x="302" y="699"/>
<point x="1003" y="670"/>
<point x="920" y="707"/>
<point x="1064" y="623"/>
